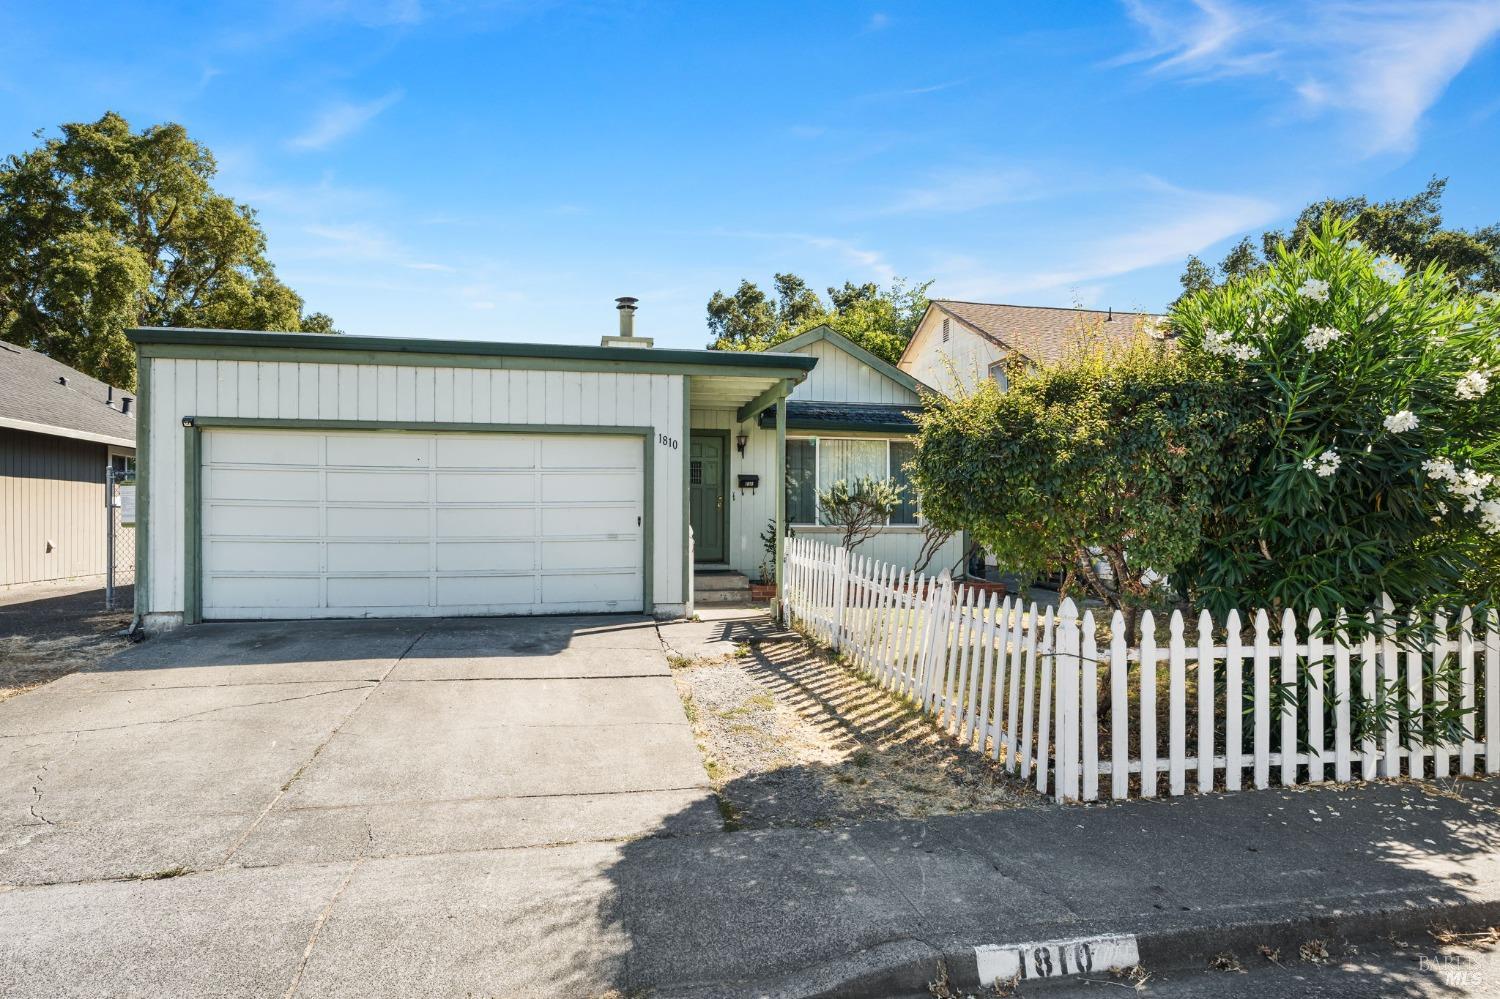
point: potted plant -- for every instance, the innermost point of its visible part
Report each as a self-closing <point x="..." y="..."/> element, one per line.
<point x="764" y="588"/>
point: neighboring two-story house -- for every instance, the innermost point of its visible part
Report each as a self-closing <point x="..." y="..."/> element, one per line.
<point x="957" y="344"/>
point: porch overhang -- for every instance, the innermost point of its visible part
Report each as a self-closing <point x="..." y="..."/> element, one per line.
<point x="846" y="416"/>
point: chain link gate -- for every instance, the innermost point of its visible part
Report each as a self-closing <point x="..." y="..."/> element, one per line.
<point x="119" y="501"/>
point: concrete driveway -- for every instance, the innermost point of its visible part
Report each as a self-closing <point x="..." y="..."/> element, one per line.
<point x="277" y="743"/>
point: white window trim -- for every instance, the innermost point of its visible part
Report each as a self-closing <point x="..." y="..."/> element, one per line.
<point x="818" y="475"/>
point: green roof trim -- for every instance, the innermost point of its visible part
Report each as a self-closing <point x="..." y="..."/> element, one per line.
<point x="847" y="345"/>
<point x="638" y="358"/>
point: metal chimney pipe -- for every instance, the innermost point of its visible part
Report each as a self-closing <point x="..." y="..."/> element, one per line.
<point x="626" y="305"/>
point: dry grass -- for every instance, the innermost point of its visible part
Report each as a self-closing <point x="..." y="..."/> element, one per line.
<point x="49" y="634"/>
<point x="790" y="736"/>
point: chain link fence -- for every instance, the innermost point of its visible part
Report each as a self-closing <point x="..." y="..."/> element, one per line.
<point x="119" y="582"/>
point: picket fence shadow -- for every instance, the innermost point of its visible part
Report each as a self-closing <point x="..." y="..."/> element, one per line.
<point x="1034" y="690"/>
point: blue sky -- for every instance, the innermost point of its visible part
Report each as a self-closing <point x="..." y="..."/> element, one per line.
<point x="504" y="170"/>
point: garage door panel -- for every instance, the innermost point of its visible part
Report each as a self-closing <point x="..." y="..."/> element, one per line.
<point x="591" y="588"/>
<point x="486" y="452"/>
<point x="486" y="487"/>
<point x="379" y="556"/>
<point x="260" y="484"/>
<point x="262" y="591"/>
<point x="486" y="556"/>
<point x="384" y="486"/>
<point x="591" y="452"/>
<point x="378" y="522"/>
<point x="378" y="591"/>
<point x="264" y="556"/>
<point x="380" y="450"/>
<point x="262" y="520"/>
<point x="231" y="447"/>
<point x="348" y="524"/>
<point x="487" y="522"/>
<point x="487" y="591"/>
<point x="595" y="521"/>
<point x="578" y="487"/>
<point x="592" y="554"/>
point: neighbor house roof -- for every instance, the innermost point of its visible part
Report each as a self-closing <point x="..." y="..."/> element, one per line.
<point x="44" y="396"/>
<point x="868" y="417"/>
<point x="1039" y="333"/>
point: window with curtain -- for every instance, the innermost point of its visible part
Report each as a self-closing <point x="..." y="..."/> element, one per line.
<point x="801" y="481"/>
<point x="813" y="464"/>
<point x="901" y="453"/>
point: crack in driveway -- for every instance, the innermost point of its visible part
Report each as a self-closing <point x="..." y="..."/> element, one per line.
<point x="369" y="689"/>
<point x="75" y="732"/>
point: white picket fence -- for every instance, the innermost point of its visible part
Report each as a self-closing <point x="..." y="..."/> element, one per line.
<point x="1024" y="685"/>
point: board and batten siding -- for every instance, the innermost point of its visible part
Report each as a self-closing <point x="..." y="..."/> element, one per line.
<point x="751" y="510"/>
<point x="288" y="390"/>
<point x="51" y="490"/>
<point x="842" y="377"/>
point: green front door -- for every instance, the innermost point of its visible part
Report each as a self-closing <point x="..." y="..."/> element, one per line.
<point x="706" y="470"/>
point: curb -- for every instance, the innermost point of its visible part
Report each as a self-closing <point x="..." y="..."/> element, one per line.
<point x="902" y="968"/>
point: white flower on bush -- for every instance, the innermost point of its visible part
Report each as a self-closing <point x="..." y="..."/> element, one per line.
<point x="1388" y="270"/>
<point x="1472" y="385"/>
<point x="1439" y="468"/>
<point x="1489" y="516"/>
<point x="1314" y="289"/>
<point x="1157" y="328"/>
<point x="1377" y="312"/>
<point x="1217" y="342"/>
<point x="1399" y="423"/>
<point x="1324" y="464"/>
<point x="1319" y="337"/>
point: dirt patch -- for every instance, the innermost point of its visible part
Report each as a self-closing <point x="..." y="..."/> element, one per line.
<point x="49" y="633"/>
<point x="790" y="737"/>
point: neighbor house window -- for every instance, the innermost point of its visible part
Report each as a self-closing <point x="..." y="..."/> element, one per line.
<point x="997" y="374"/>
<point x="815" y="463"/>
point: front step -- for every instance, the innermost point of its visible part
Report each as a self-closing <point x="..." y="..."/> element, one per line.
<point x="720" y="588"/>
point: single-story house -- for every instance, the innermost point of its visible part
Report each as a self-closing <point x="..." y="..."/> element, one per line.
<point x="958" y="344"/>
<point x="291" y="475"/>
<point x="59" y="431"/>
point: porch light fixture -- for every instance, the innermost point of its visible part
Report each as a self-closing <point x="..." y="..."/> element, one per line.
<point x="740" y="440"/>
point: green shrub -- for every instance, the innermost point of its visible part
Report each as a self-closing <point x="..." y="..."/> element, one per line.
<point x="1372" y="405"/>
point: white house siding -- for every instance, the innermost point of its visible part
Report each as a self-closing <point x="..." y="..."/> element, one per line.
<point x="952" y="367"/>
<point x="749" y="511"/>
<point x="285" y="390"/>
<point x="842" y="377"/>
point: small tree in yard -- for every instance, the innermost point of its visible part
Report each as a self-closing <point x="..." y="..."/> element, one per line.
<point x="1108" y="460"/>
<point x="1370" y="398"/>
<point x="861" y="507"/>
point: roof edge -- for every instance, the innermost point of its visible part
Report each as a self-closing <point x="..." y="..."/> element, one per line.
<point x="827" y="333"/>
<point x="51" y="430"/>
<point x="666" y="357"/>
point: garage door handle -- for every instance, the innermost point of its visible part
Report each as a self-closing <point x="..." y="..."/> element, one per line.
<point x="637" y="522"/>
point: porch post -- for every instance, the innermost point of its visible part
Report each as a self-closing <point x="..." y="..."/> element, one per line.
<point x="780" y="480"/>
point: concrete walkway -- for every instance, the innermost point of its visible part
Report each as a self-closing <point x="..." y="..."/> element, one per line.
<point x="329" y="819"/>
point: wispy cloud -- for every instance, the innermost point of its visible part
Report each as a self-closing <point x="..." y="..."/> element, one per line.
<point x="952" y="191"/>
<point x="1182" y="222"/>
<point x="878" y="21"/>
<point x="1384" y="63"/>
<point x="866" y="261"/>
<point x="340" y="120"/>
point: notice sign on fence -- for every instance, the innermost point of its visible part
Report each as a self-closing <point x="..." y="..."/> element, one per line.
<point x="1055" y="958"/>
<point x="127" y="506"/>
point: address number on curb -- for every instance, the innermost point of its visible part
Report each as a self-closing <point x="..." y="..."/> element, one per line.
<point x="1055" y="958"/>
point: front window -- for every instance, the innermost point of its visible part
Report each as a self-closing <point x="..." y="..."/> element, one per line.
<point x="815" y="463"/>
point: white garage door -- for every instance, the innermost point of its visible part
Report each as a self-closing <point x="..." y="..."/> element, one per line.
<point x="383" y="524"/>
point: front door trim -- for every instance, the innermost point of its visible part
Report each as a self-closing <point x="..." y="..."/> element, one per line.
<point x="723" y="436"/>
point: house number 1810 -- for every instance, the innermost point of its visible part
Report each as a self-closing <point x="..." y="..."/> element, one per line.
<point x="666" y="441"/>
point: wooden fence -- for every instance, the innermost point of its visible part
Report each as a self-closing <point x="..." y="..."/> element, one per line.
<point x="1067" y="704"/>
